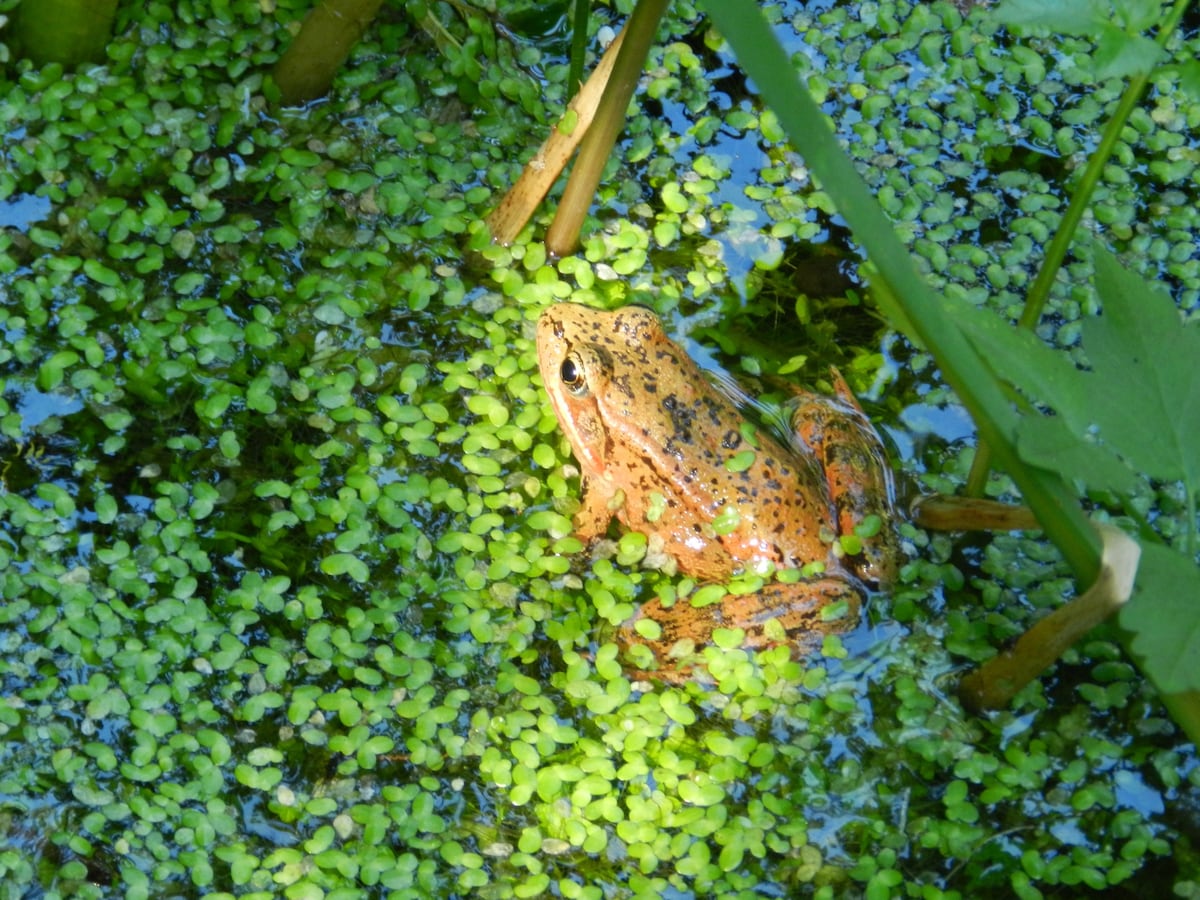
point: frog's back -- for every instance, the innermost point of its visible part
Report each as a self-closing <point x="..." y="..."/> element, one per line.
<point x="675" y="451"/>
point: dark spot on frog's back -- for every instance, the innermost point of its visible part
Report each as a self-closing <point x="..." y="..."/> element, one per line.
<point x="621" y="383"/>
<point x="682" y="418"/>
<point x="714" y="410"/>
<point x="633" y="324"/>
<point x="731" y="439"/>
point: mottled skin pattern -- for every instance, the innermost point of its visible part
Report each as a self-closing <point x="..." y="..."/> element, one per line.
<point x="653" y="436"/>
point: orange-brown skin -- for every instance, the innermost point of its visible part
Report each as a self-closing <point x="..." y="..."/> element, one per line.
<point x="653" y="437"/>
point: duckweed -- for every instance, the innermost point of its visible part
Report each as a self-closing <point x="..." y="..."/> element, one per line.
<point x="291" y="601"/>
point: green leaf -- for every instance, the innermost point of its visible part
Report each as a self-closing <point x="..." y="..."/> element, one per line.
<point x="99" y="272"/>
<point x="1122" y="50"/>
<point x="106" y="509"/>
<point x="1049" y="443"/>
<point x="1085" y="17"/>
<point x="1165" y="620"/>
<point x="346" y="564"/>
<point x="1187" y="75"/>
<point x="50" y="374"/>
<point x="1138" y="15"/>
<point x="229" y="444"/>
<point x="1020" y="358"/>
<point x="1144" y="364"/>
<point x="189" y="282"/>
<point x="1140" y="353"/>
<point x="258" y="395"/>
<point x="1121" y="55"/>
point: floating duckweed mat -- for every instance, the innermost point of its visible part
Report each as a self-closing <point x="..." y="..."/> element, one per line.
<point x="290" y="602"/>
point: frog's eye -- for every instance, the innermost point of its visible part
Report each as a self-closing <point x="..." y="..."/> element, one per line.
<point x="571" y="374"/>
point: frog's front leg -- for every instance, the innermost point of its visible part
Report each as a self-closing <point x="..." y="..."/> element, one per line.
<point x="598" y="504"/>
<point x="803" y="613"/>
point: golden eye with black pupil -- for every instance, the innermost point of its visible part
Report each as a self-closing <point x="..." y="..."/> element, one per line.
<point x="572" y="377"/>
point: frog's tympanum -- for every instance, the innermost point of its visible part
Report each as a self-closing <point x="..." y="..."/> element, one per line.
<point x="670" y="455"/>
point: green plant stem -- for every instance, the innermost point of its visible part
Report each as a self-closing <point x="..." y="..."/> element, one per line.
<point x="898" y="280"/>
<point x="563" y="234"/>
<point x="308" y="66"/>
<point x="579" y="34"/>
<point x="1039" y="291"/>
<point x="981" y="464"/>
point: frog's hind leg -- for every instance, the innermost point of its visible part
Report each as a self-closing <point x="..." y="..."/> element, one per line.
<point x="799" y="614"/>
<point x="860" y="482"/>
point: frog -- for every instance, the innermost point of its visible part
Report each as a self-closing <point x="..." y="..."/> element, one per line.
<point x="668" y="452"/>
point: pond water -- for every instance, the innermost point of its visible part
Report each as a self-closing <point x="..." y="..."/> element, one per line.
<point x="290" y="601"/>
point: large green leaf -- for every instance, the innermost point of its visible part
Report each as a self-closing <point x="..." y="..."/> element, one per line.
<point x="1051" y="444"/>
<point x="1122" y="49"/>
<point x="1144" y="362"/>
<point x="1134" y="415"/>
<point x="1141" y="394"/>
<point x="1164" y="617"/>
<point x="1065" y="16"/>
<point x="1019" y="358"/>
<point x="1062" y="443"/>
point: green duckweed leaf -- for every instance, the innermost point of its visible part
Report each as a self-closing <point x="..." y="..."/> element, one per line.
<point x="51" y="373"/>
<point x="675" y="705"/>
<point x="701" y="791"/>
<point x="346" y="564"/>
<point x="740" y="462"/>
